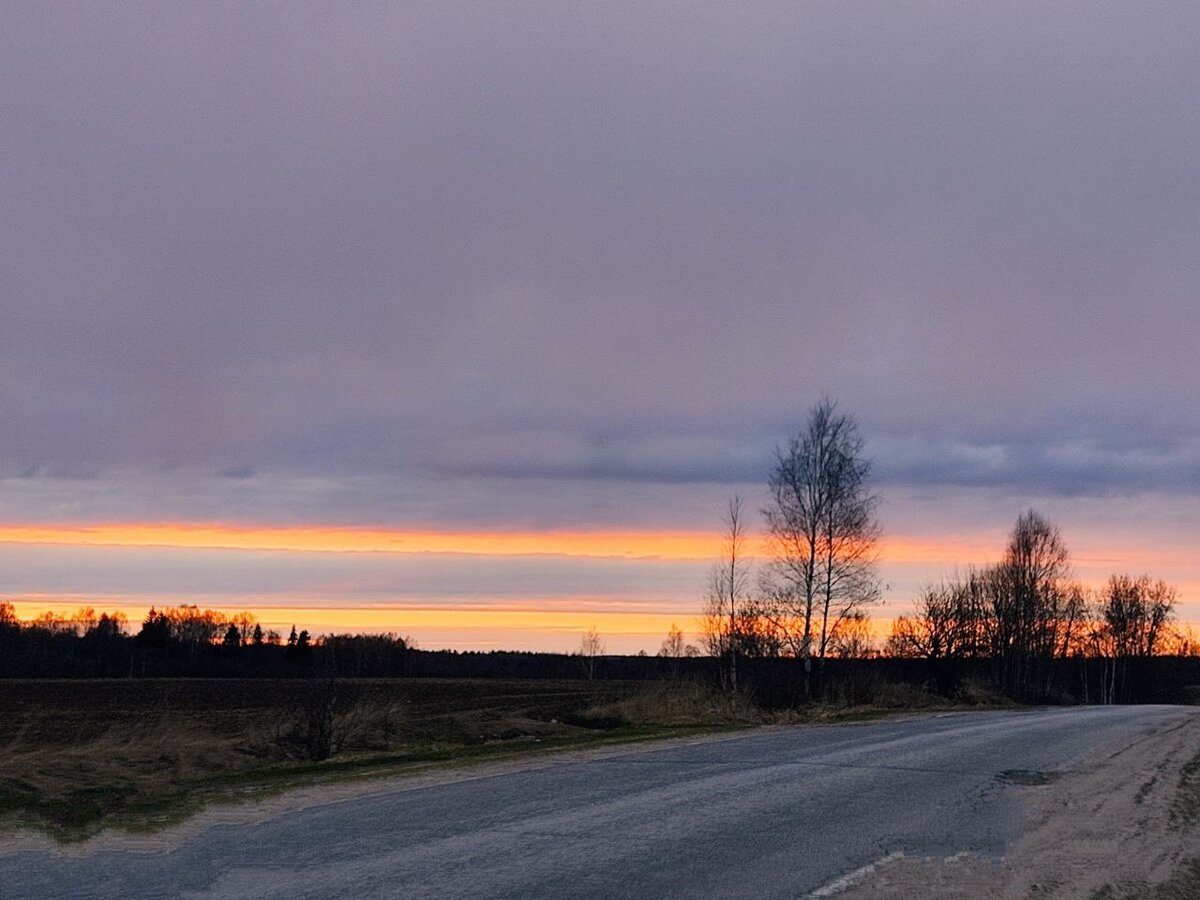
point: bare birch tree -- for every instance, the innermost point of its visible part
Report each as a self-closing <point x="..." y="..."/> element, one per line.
<point x="591" y="648"/>
<point x="727" y="599"/>
<point x="822" y="534"/>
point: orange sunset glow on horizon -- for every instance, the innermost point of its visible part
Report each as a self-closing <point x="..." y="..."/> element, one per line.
<point x="514" y="615"/>
<point x="674" y="545"/>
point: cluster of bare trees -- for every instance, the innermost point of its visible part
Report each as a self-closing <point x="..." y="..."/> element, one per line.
<point x="1025" y="615"/>
<point x="811" y="596"/>
<point x="1130" y="621"/>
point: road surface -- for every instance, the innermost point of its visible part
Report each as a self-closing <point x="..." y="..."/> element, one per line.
<point x="775" y="813"/>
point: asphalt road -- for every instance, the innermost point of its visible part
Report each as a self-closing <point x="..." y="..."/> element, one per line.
<point x="776" y="813"/>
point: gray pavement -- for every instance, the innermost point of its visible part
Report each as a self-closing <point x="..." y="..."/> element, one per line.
<point x="775" y="813"/>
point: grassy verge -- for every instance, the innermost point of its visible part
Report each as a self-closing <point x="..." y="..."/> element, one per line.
<point x="79" y="757"/>
<point x="76" y="813"/>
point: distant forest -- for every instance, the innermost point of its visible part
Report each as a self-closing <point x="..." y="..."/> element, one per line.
<point x="946" y="647"/>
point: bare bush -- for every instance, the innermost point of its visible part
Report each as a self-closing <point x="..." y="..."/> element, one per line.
<point x="328" y="714"/>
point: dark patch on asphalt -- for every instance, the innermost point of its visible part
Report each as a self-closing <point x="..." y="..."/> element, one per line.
<point x="1028" y="777"/>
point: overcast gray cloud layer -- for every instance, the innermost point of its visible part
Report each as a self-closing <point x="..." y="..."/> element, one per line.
<point x="369" y="249"/>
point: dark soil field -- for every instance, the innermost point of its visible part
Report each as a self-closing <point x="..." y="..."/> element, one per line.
<point x="56" y="713"/>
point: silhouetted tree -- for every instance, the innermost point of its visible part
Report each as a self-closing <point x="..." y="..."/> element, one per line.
<point x="591" y="648"/>
<point x="156" y="630"/>
<point x="1029" y="606"/>
<point x="672" y="645"/>
<point x="951" y="621"/>
<point x="822" y="534"/>
<point x="726" y="602"/>
<point x="1133" y="618"/>
<point x="854" y="638"/>
<point x="673" y="648"/>
<point x="325" y="716"/>
<point x="103" y="645"/>
<point x="245" y="623"/>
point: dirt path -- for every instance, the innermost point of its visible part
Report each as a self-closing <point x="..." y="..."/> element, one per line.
<point x="1108" y="828"/>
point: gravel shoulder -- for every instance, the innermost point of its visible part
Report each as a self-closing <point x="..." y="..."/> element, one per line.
<point x="1121" y="823"/>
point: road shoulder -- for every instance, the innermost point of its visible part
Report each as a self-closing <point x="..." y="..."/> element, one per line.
<point x="1119" y="824"/>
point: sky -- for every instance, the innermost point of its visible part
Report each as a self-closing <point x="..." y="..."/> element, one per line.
<point x="463" y="320"/>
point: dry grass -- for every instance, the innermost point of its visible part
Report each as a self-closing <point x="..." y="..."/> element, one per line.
<point x="79" y="756"/>
<point x="681" y="703"/>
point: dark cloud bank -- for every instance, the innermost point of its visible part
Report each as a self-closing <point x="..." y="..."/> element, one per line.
<point x="388" y="251"/>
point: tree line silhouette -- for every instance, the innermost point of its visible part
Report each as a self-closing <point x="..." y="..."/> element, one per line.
<point x="183" y="641"/>
<point x="947" y="645"/>
<point x="192" y="642"/>
<point x="1037" y="626"/>
<point x="1023" y="625"/>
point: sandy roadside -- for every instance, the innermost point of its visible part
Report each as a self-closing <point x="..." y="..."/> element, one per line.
<point x="1103" y="829"/>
